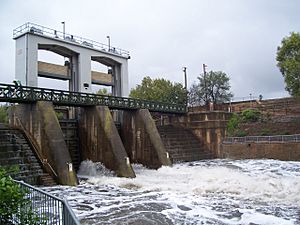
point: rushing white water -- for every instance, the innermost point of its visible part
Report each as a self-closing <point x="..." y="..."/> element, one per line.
<point x="203" y="192"/>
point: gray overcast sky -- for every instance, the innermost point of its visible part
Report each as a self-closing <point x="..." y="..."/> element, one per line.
<point x="239" y="37"/>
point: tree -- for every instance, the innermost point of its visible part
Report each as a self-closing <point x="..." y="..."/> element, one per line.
<point x="103" y="91"/>
<point x="212" y="87"/>
<point x="15" y="206"/>
<point x="288" y="58"/>
<point x="159" y="90"/>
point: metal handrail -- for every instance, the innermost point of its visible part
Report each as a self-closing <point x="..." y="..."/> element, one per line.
<point x="263" y="139"/>
<point x="23" y="94"/>
<point x="52" y="33"/>
<point x="52" y="209"/>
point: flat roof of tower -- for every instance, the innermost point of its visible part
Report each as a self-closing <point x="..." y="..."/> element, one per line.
<point x="52" y="33"/>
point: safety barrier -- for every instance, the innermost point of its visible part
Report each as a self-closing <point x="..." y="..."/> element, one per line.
<point x="51" y="209"/>
<point x="263" y="139"/>
<point x="51" y="33"/>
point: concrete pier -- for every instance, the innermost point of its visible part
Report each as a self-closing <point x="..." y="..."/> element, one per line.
<point x="142" y="140"/>
<point x="100" y="140"/>
<point x="40" y="121"/>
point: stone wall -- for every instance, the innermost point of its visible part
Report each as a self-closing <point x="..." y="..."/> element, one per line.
<point x="281" y="151"/>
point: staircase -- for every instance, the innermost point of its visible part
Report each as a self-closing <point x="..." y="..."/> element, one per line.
<point x="16" y="150"/>
<point x="182" y="145"/>
<point x="70" y="130"/>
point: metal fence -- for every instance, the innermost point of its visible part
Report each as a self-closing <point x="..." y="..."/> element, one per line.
<point x="52" y="210"/>
<point x="263" y="139"/>
<point x="23" y="94"/>
<point x="52" y="33"/>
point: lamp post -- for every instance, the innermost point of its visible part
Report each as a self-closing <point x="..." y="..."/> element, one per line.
<point x="185" y="84"/>
<point x="64" y="28"/>
<point x="204" y="78"/>
<point x="108" y="37"/>
<point x="185" y="77"/>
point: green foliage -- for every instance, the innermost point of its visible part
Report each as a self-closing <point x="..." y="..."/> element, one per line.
<point x="159" y="90"/>
<point x="212" y="87"/>
<point x="59" y="115"/>
<point x="14" y="206"/>
<point x="240" y="133"/>
<point x="251" y="115"/>
<point x="247" y="116"/>
<point x="3" y="114"/>
<point x="103" y="91"/>
<point x="233" y="123"/>
<point x="288" y="58"/>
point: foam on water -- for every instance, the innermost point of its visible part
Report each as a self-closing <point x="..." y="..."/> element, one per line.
<point x="203" y="192"/>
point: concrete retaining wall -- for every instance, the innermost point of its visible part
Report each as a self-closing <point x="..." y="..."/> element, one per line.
<point x="281" y="151"/>
<point x="209" y="127"/>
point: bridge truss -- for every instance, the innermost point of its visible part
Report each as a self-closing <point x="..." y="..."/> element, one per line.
<point x="25" y="94"/>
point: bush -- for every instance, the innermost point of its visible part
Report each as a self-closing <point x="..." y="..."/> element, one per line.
<point x="240" y="133"/>
<point x="59" y="115"/>
<point x="15" y="208"/>
<point x="251" y="115"/>
<point x="233" y="123"/>
<point x="3" y="114"/>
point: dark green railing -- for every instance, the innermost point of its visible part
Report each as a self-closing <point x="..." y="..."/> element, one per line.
<point x="26" y="94"/>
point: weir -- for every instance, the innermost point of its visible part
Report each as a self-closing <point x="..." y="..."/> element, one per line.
<point x="114" y="130"/>
<point x="139" y="139"/>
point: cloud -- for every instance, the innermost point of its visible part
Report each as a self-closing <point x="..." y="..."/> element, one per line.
<point x="237" y="37"/>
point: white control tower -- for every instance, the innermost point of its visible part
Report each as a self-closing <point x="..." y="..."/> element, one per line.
<point x="80" y="53"/>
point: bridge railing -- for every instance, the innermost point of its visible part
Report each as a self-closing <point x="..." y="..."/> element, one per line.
<point x="51" y="209"/>
<point x="48" y="32"/>
<point x="23" y="94"/>
<point x="263" y="139"/>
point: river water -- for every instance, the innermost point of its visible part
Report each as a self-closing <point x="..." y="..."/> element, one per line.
<point x="202" y="192"/>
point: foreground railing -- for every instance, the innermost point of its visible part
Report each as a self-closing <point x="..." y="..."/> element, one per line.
<point x="50" y="209"/>
<point x="263" y="139"/>
<point x="23" y="94"/>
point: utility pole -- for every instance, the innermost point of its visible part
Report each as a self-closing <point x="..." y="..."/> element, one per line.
<point x="185" y="84"/>
<point x="204" y="78"/>
<point x="64" y="29"/>
<point x="185" y="77"/>
<point x="108" y="37"/>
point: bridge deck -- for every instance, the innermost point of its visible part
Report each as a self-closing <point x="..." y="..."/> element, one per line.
<point x="26" y="94"/>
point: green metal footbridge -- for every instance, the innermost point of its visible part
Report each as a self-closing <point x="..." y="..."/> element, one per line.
<point x="25" y="94"/>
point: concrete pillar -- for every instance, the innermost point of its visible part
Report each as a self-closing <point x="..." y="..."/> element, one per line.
<point x="100" y="140"/>
<point x="142" y="140"/>
<point x="40" y="121"/>
<point x="154" y="136"/>
<point x="26" y="61"/>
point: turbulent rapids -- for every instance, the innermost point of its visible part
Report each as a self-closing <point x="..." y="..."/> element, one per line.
<point x="203" y="192"/>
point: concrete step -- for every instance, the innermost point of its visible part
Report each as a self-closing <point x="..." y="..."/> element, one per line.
<point x="47" y="180"/>
<point x="182" y="144"/>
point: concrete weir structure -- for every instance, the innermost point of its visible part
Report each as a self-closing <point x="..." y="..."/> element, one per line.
<point x="78" y="51"/>
<point x="138" y="139"/>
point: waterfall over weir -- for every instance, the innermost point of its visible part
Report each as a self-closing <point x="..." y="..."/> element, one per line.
<point x="202" y="192"/>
